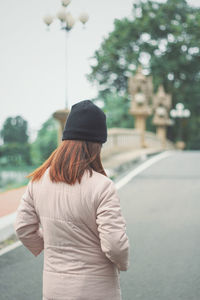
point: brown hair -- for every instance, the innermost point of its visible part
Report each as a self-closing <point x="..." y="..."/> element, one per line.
<point x="70" y="160"/>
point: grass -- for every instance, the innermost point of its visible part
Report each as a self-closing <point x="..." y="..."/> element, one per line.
<point x="18" y="168"/>
<point x="12" y="239"/>
<point x="12" y="184"/>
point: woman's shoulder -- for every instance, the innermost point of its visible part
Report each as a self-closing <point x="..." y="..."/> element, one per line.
<point x="99" y="180"/>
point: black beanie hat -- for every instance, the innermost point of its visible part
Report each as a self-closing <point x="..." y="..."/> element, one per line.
<point x="86" y="122"/>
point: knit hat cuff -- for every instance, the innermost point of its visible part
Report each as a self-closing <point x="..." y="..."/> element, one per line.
<point x="68" y="135"/>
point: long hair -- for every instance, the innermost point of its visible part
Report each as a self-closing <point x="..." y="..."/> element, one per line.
<point x="70" y="160"/>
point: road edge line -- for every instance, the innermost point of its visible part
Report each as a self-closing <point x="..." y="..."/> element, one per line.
<point x="141" y="168"/>
<point x="10" y="247"/>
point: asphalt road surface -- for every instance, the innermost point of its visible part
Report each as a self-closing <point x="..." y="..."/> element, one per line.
<point x="161" y="206"/>
<point x="162" y="209"/>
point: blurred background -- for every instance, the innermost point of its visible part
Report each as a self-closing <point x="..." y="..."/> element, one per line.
<point x="138" y="60"/>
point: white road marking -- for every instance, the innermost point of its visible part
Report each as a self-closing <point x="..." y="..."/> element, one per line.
<point x="10" y="247"/>
<point x="7" y="220"/>
<point x="118" y="185"/>
<point x="141" y="168"/>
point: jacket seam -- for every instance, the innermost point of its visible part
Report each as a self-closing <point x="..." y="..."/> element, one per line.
<point x="85" y="274"/>
<point x="61" y="220"/>
<point x="61" y="246"/>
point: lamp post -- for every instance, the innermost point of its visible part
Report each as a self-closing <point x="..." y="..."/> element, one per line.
<point x="140" y="88"/>
<point x="67" y="22"/>
<point x="161" y="106"/>
<point x="180" y="113"/>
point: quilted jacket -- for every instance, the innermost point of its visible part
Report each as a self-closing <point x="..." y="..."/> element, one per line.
<point x="82" y="232"/>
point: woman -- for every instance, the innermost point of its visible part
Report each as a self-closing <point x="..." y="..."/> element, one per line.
<point x="82" y="229"/>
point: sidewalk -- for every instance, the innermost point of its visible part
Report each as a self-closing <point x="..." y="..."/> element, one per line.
<point x="114" y="165"/>
<point x="9" y="200"/>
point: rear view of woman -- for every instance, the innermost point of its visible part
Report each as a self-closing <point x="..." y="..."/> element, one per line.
<point x="72" y="211"/>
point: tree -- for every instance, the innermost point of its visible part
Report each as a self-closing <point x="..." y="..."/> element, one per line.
<point x="165" y="39"/>
<point x="15" y="130"/>
<point x="15" y="154"/>
<point x="15" y="150"/>
<point x="114" y="112"/>
<point x="46" y="141"/>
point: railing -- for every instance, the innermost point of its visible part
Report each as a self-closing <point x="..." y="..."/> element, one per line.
<point x="124" y="139"/>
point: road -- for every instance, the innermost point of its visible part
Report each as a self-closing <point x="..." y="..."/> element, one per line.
<point x="162" y="209"/>
<point x="161" y="206"/>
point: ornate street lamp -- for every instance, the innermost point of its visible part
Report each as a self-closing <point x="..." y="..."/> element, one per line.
<point x="140" y="88"/>
<point x="180" y="113"/>
<point x="140" y="99"/>
<point x="161" y="106"/>
<point x="67" y="22"/>
<point x="161" y="111"/>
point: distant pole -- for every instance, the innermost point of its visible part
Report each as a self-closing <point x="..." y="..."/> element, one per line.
<point x="180" y="113"/>
<point x="67" y="22"/>
<point x="66" y="72"/>
<point x="161" y="106"/>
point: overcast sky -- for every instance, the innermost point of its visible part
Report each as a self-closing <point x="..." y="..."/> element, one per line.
<point x="33" y="60"/>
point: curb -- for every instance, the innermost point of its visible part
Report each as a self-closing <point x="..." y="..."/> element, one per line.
<point x="124" y="166"/>
<point x="7" y="226"/>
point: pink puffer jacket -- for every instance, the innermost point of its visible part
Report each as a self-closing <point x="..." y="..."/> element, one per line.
<point x="83" y="234"/>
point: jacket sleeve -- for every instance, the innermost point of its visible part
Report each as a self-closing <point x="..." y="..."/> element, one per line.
<point x="27" y="223"/>
<point x="112" y="228"/>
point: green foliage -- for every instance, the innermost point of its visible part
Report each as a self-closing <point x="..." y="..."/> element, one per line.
<point x="16" y="150"/>
<point x="46" y="142"/>
<point x="115" y="115"/>
<point x="165" y="39"/>
<point x="15" y="154"/>
<point x="15" y="130"/>
<point x="22" y="157"/>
